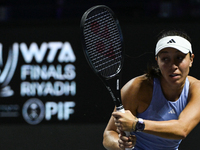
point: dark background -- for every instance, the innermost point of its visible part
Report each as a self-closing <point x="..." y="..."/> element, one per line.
<point x="52" y="20"/>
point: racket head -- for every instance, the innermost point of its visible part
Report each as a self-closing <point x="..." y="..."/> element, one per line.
<point x="102" y="41"/>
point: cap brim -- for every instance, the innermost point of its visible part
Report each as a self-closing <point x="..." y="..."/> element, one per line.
<point x="181" y="49"/>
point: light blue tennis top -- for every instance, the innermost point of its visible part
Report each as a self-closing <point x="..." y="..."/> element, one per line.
<point x="161" y="109"/>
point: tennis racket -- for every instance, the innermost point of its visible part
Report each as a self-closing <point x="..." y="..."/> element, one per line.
<point x="102" y="43"/>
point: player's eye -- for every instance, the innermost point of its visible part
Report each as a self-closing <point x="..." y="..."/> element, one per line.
<point x="165" y="59"/>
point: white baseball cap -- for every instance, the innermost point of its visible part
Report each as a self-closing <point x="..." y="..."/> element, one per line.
<point x="176" y="42"/>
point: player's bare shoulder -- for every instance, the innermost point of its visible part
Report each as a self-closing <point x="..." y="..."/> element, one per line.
<point x="194" y="86"/>
<point x="194" y="82"/>
<point x="138" y="90"/>
<point x="138" y="83"/>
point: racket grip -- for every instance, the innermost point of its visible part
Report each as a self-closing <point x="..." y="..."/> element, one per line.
<point x="121" y="109"/>
<point x="128" y="134"/>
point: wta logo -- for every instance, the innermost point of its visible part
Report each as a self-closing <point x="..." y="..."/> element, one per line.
<point x="52" y="50"/>
<point x="7" y="68"/>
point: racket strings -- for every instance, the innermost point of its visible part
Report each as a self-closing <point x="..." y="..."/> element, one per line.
<point x="95" y="55"/>
<point x="103" y="43"/>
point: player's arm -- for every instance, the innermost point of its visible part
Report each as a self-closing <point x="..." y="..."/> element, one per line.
<point x="111" y="135"/>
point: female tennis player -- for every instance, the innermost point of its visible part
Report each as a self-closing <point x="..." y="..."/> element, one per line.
<point x="162" y="106"/>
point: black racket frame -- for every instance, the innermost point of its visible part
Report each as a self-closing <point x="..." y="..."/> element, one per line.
<point x="112" y="83"/>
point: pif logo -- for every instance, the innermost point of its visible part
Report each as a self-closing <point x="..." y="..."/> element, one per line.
<point x="33" y="111"/>
<point x="7" y="69"/>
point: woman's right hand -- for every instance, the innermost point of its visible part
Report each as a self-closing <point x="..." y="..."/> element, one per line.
<point x="126" y="142"/>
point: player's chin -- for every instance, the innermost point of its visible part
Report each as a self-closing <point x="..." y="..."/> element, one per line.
<point x="175" y="79"/>
<point x="178" y="79"/>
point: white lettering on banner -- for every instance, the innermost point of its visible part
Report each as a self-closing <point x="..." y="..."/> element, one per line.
<point x="35" y="72"/>
<point x="55" y="75"/>
<point x="62" y="109"/>
<point x="33" y="51"/>
<point x="57" y="88"/>
<point x="65" y="55"/>
<point x="45" y="70"/>
<point x="54" y="47"/>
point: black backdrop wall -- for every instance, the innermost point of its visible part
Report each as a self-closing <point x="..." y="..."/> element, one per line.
<point x="52" y="100"/>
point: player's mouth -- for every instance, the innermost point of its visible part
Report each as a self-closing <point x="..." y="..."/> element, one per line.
<point x="173" y="75"/>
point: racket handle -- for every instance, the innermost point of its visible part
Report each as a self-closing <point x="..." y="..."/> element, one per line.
<point x="121" y="109"/>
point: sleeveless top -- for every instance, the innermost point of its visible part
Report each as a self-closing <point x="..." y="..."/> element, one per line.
<point x="160" y="109"/>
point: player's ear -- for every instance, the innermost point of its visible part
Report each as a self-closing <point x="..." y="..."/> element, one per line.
<point x="156" y="58"/>
<point x="191" y="59"/>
